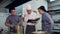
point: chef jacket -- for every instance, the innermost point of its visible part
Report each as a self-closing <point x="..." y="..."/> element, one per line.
<point x="31" y="16"/>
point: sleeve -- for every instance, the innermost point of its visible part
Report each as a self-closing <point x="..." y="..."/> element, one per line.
<point x="19" y="21"/>
<point x="34" y="16"/>
<point x="49" y="19"/>
<point x="7" y="20"/>
<point x="50" y="22"/>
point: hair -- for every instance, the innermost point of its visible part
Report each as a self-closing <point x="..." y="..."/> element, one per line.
<point x="42" y="8"/>
<point x="10" y="10"/>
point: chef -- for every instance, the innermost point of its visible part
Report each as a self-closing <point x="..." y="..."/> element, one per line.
<point x="31" y="19"/>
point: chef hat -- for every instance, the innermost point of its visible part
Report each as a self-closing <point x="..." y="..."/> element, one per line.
<point x="28" y="7"/>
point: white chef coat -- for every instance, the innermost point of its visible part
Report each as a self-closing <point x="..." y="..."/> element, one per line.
<point x="30" y="16"/>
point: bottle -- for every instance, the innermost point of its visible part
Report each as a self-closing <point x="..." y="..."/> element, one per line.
<point x="20" y="29"/>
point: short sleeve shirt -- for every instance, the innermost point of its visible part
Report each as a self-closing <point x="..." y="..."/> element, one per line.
<point x="13" y="19"/>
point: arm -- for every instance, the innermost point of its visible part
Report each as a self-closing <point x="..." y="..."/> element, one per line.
<point x="49" y="19"/>
<point x="50" y="23"/>
<point x="7" y="23"/>
<point x="23" y="17"/>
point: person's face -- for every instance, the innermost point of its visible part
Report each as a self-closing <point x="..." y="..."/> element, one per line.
<point x="13" y="12"/>
<point x="29" y="11"/>
<point x="40" y="11"/>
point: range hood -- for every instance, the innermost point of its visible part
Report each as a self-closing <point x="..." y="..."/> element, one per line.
<point x="16" y="3"/>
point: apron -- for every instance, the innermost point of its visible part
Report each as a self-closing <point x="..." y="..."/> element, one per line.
<point x="30" y="29"/>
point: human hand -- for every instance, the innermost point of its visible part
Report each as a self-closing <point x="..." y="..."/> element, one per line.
<point x="11" y="26"/>
<point x="16" y="27"/>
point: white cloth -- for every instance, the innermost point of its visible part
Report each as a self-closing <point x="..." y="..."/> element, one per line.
<point x="28" y="7"/>
<point x="31" y="16"/>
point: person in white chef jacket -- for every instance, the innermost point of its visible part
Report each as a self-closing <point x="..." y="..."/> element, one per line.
<point x="30" y="27"/>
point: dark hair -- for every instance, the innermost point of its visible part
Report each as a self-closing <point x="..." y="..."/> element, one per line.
<point x="10" y="10"/>
<point x="42" y="7"/>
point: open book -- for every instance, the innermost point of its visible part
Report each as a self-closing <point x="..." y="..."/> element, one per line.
<point x="33" y="20"/>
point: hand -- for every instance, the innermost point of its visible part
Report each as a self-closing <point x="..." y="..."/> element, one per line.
<point x="16" y="26"/>
<point x="11" y="26"/>
<point x="33" y="21"/>
<point x="23" y="16"/>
